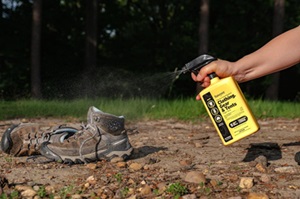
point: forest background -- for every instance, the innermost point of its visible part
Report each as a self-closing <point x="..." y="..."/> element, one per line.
<point x="66" y="49"/>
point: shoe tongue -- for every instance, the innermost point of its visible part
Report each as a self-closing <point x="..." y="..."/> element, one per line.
<point x="63" y="137"/>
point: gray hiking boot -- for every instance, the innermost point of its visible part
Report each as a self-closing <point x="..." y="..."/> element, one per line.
<point x="297" y="157"/>
<point x="88" y="145"/>
<point x="106" y="122"/>
<point x="26" y="138"/>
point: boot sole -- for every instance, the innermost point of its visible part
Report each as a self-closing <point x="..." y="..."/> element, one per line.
<point x="107" y="154"/>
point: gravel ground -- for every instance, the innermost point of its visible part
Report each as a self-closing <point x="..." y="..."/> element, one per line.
<point x="171" y="159"/>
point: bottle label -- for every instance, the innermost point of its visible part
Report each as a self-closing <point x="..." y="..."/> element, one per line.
<point x="217" y="116"/>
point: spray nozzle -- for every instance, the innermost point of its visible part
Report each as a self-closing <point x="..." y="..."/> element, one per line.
<point x="195" y="65"/>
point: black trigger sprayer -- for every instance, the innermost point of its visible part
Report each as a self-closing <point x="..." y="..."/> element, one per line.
<point x="224" y="103"/>
<point x="196" y="64"/>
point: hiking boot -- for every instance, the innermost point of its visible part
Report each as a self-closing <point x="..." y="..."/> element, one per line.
<point x="297" y="157"/>
<point x="106" y="122"/>
<point x="26" y="138"/>
<point x="90" y="144"/>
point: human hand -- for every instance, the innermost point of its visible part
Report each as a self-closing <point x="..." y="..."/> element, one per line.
<point x="222" y="69"/>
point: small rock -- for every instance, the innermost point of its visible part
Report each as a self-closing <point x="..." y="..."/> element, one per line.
<point x="50" y="189"/>
<point x="198" y="145"/>
<point x="117" y="159"/>
<point x="35" y="188"/>
<point x="195" y="177"/>
<point x="28" y="193"/>
<point x="261" y="167"/>
<point x="131" y="181"/>
<point x="185" y="162"/>
<point x="87" y="185"/>
<point x="257" y="196"/>
<point x="246" y="182"/>
<point x="22" y="187"/>
<point x="91" y="166"/>
<point x="76" y="196"/>
<point x="91" y="180"/>
<point x="121" y="164"/>
<point x="162" y="186"/>
<point x="262" y="159"/>
<point x="214" y="183"/>
<point x="135" y="166"/>
<point x="24" y="120"/>
<point x="287" y="169"/>
<point x="130" y="191"/>
<point x="145" y="190"/>
<point x="143" y="182"/>
<point x="189" y="196"/>
<point x="265" y="178"/>
<point x="132" y="197"/>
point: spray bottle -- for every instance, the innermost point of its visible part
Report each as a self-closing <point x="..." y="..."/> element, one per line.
<point x="225" y="104"/>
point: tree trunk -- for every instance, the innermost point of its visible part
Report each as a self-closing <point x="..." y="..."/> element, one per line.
<point x="1" y="9"/>
<point x="203" y="32"/>
<point x="278" y="21"/>
<point x="35" y="49"/>
<point x="91" y="35"/>
<point x="203" y="27"/>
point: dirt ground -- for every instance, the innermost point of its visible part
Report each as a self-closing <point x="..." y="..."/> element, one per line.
<point x="170" y="158"/>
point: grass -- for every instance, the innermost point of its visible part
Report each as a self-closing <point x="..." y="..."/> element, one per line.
<point x="133" y="109"/>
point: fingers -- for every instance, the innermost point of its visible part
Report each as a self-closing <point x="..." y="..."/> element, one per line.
<point x="208" y="69"/>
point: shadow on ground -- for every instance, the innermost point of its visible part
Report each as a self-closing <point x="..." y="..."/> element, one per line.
<point x="270" y="150"/>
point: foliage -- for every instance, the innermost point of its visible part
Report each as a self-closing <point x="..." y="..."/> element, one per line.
<point x="177" y="189"/>
<point x="135" y="37"/>
<point x="136" y="109"/>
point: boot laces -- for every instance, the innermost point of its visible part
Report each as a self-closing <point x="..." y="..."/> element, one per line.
<point x="93" y="130"/>
<point x="37" y="140"/>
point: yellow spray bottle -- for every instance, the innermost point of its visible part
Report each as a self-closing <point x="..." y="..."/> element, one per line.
<point x="225" y="104"/>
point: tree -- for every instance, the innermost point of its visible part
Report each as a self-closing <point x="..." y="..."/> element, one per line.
<point x="35" y="49"/>
<point x="278" y="21"/>
<point x="203" y="32"/>
<point x="203" y="26"/>
<point x="91" y="35"/>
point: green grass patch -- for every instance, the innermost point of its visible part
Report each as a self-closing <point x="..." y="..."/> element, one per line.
<point x="135" y="109"/>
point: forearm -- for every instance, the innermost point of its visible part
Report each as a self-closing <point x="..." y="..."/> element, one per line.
<point x="278" y="54"/>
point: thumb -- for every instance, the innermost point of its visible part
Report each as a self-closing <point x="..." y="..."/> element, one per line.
<point x="198" y="97"/>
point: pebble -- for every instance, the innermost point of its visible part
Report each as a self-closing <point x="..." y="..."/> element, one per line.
<point x="135" y="166"/>
<point x="91" y="180"/>
<point x="246" y="182"/>
<point x="35" y="188"/>
<point x="50" y="189"/>
<point x="189" y="196"/>
<point x="22" y="187"/>
<point x="195" y="177"/>
<point x="91" y="166"/>
<point x="121" y="164"/>
<point x="265" y="178"/>
<point x="145" y="190"/>
<point x="132" y="197"/>
<point x="28" y="193"/>
<point x="287" y="169"/>
<point x="198" y="144"/>
<point x="162" y="186"/>
<point x="261" y="167"/>
<point x="117" y="159"/>
<point x="262" y="160"/>
<point x="185" y="162"/>
<point x="76" y="196"/>
<point x="257" y="196"/>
